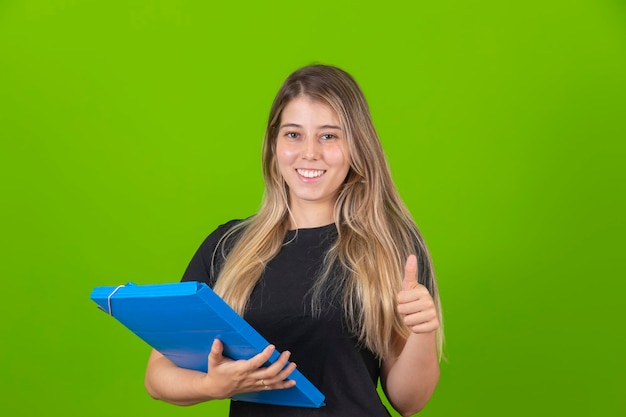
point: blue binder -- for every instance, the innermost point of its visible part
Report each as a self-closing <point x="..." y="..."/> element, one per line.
<point x="181" y="320"/>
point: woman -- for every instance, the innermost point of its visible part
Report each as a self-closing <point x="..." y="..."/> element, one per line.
<point x="332" y="269"/>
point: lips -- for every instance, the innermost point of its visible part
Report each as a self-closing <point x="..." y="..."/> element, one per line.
<point x="311" y="173"/>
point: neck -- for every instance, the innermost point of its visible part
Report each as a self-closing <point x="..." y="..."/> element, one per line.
<point x="306" y="216"/>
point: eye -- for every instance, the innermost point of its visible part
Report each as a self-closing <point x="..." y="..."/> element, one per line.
<point x="291" y="135"/>
<point x="329" y="136"/>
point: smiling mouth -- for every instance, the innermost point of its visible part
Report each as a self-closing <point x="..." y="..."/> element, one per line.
<point x="311" y="173"/>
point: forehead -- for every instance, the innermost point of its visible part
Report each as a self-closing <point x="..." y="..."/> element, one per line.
<point x="306" y="110"/>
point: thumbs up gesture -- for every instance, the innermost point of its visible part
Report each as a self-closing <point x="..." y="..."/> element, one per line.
<point x="415" y="303"/>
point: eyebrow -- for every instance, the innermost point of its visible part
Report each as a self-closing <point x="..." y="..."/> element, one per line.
<point x="319" y="127"/>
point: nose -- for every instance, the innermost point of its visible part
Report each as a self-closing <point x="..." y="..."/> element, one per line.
<point x="311" y="148"/>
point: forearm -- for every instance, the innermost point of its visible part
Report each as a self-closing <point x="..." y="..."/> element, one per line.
<point x="167" y="382"/>
<point x="409" y="380"/>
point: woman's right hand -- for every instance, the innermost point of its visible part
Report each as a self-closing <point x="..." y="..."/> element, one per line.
<point x="227" y="377"/>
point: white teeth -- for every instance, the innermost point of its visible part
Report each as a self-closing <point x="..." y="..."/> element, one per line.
<point x="310" y="173"/>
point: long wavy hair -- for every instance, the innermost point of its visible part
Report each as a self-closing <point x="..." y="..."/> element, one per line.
<point x="376" y="232"/>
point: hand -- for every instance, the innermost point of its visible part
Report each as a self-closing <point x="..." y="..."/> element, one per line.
<point x="415" y="302"/>
<point x="227" y="377"/>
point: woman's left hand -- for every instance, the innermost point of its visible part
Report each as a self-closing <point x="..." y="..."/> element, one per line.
<point x="415" y="302"/>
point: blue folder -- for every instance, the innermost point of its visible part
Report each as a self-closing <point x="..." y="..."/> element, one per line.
<point x="181" y="320"/>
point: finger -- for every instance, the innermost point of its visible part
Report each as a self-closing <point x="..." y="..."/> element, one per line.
<point x="280" y="362"/>
<point x="270" y="372"/>
<point x="412" y="306"/>
<point x="275" y="368"/>
<point x="277" y="380"/>
<point x="287" y="370"/>
<point x="280" y="381"/>
<point x="259" y="360"/>
<point x="420" y="318"/>
<point x="410" y="273"/>
<point x="281" y="384"/>
<point x="275" y="375"/>
<point x="267" y="385"/>
<point x="427" y="327"/>
<point x="415" y="301"/>
<point x="277" y="371"/>
<point x="420" y="292"/>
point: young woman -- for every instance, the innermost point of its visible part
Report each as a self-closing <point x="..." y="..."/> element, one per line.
<point x="332" y="269"/>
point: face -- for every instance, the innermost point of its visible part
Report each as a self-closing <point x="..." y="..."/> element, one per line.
<point x="312" y="154"/>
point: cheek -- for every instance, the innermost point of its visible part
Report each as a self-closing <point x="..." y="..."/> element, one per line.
<point x="337" y="157"/>
<point x="285" y="155"/>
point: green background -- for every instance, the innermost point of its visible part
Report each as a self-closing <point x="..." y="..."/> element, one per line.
<point x="130" y="129"/>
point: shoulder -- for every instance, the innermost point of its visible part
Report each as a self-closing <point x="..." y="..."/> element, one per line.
<point x="209" y="257"/>
<point x="222" y="232"/>
<point x="224" y="228"/>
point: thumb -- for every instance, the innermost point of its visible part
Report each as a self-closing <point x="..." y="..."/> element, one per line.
<point x="215" y="356"/>
<point x="410" y="273"/>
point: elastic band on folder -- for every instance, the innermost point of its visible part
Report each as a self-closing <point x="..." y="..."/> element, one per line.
<point x="111" y="295"/>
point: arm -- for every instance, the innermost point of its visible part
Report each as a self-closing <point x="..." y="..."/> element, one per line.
<point x="225" y="378"/>
<point x="410" y="374"/>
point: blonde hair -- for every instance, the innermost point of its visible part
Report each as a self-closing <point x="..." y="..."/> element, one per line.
<point x="376" y="232"/>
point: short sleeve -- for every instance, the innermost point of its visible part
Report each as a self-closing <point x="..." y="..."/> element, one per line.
<point x="206" y="263"/>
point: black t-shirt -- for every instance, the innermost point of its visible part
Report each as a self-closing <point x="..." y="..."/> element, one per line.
<point x="279" y="309"/>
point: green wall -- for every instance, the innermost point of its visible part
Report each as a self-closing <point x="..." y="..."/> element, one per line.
<point x="130" y="129"/>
